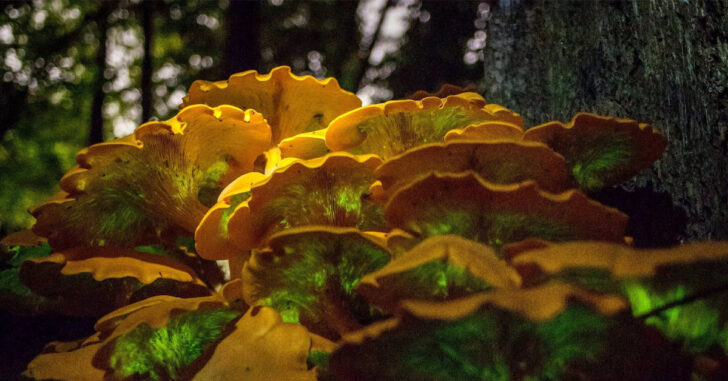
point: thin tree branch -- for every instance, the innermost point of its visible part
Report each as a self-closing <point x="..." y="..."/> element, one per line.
<point x="686" y="300"/>
<point x="96" y="132"/>
<point x="365" y="52"/>
<point x="147" y="64"/>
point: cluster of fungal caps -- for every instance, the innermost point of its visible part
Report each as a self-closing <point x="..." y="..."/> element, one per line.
<point x="428" y="239"/>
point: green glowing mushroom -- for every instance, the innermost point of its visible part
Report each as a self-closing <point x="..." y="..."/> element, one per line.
<point x="309" y="275"/>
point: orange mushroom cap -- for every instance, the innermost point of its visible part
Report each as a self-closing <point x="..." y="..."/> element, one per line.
<point x="87" y="359"/>
<point x="90" y="281"/>
<point x="393" y="127"/>
<point x="212" y="239"/>
<point x="466" y="205"/>
<point x="262" y="347"/>
<point x="307" y="145"/>
<point x="446" y="89"/>
<point x="330" y="190"/>
<point x="620" y="261"/>
<point x="601" y="150"/>
<point x="497" y="162"/>
<point x="536" y="304"/>
<point x="491" y="130"/>
<point x="291" y="104"/>
<point x="309" y="273"/>
<point x="439" y="268"/>
<point x="134" y="191"/>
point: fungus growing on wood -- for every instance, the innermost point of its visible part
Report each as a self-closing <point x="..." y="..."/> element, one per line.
<point x="465" y="205"/>
<point x="309" y="275"/>
<point x="290" y="103"/>
<point x="601" y="151"/>
<point x="212" y="236"/>
<point x="545" y="333"/>
<point x="393" y="127"/>
<point x="430" y="248"/>
<point x="159" y="183"/>
<point x="440" y="268"/>
<point x="129" y="342"/>
<point x="681" y="290"/>
<point x="488" y="131"/>
<point x="308" y="145"/>
<point x="331" y="190"/>
<point x="97" y="280"/>
<point x="263" y="347"/>
<point x="496" y="162"/>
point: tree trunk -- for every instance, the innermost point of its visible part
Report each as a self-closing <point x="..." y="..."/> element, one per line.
<point x="664" y="62"/>
<point x="147" y="62"/>
<point x="242" y="49"/>
<point x="96" y="133"/>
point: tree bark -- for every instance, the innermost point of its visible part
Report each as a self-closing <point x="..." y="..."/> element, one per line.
<point x="242" y="49"/>
<point x="147" y="62"/>
<point x="96" y="132"/>
<point x="664" y="62"/>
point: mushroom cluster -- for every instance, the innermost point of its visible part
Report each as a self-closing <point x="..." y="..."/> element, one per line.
<point x="432" y="238"/>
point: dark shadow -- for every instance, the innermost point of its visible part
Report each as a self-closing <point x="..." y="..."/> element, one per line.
<point x="654" y="221"/>
<point x="23" y="337"/>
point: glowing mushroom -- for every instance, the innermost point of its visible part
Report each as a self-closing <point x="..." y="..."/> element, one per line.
<point x="212" y="236"/>
<point x="440" y="268"/>
<point x="468" y="206"/>
<point x="309" y="275"/>
<point x="446" y="89"/>
<point x="137" y="191"/>
<point x="486" y="131"/>
<point x="121" y="342"/>
<point x="331" y="190"/>
<point x="393" y="127"/>
<point x="601" y="150"/>
<point x="497" y="162"/>
<point x="263" y="347"/>
<point x="549" y="332"/>
<point x="93" y="281"/>
<point x="291" y="104"/>
<point x="679" y="290"/>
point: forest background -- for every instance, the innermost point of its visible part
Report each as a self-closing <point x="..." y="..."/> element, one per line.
<point x="75" y="73"/>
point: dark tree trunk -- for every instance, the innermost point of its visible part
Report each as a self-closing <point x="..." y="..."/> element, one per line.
<point x="664" y="62"/>
<point x="343" y="59"/>
<point x="242" y="49"/>
<point x="96" y="133"/>
<point x="147" y="63"/>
